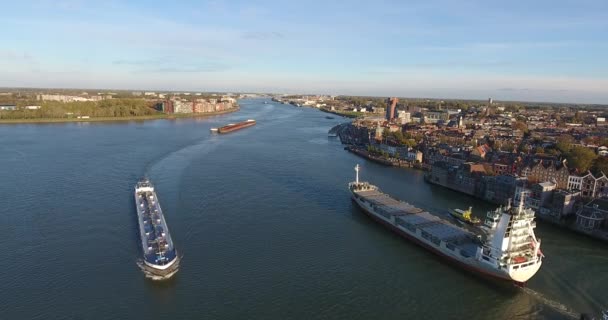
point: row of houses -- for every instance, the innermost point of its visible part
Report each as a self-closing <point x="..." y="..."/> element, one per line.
<point x="195" y="106"/>
<point x="567" y="208"/>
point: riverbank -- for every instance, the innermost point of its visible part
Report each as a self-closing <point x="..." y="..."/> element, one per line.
<point x="112" y="119"/>
<point x="392" y="162"/>
<point x="348" y="114"/>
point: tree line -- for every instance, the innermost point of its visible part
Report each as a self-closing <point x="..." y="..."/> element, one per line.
<point x="104" y="108"/>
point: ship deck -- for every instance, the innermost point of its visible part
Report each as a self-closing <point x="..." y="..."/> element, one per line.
<point x="156" y="240"/>
<point x="433" y="227"/>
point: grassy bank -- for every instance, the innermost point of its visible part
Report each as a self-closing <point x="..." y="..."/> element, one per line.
<point x="109" y="119"/>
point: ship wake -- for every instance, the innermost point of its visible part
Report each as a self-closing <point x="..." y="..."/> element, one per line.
<point x="555" y="305"/>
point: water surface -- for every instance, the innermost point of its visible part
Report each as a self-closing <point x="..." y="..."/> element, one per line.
<point x="263" y="219"/>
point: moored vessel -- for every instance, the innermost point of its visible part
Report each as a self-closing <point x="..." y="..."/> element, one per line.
<point x="160" y="259"/>
<point x="236" y="126"/>
<point x="504" y="248"/>
<point x="465" y="216"/>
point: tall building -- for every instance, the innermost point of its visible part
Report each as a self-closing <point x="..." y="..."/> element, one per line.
<point x="391" y="105"/>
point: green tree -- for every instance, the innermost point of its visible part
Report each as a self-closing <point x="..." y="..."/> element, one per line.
<point x="521" y="125"/>
<point x="507" y="146"/>
<point x="410" y="143"/>
<point x="581" y="158"/>
<point x="600" y="165"/>
<point x="564" y="143"/>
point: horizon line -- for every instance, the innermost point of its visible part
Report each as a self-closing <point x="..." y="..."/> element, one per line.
<point x="306" y="94"/>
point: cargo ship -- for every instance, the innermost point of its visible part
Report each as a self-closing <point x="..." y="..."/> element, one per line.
<point x="504" y="248"/>
<point x="465" y="216"/>
<point x="160" y="259"/>
<point x="234" y="126"/>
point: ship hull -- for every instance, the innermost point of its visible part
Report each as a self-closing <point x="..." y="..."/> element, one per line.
<point x="502" y="277"/>
<point x="157" y="272"/>
<point x="235" y="127"/>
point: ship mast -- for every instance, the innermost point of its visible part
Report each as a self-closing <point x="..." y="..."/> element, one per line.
<point x="357" y="173"/>
<point x="521" y="202"/>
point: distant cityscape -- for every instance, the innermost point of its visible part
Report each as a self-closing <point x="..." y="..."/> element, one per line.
<point x="556" y="154"/>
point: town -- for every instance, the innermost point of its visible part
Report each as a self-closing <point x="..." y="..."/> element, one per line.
<point x="556" y="156"/>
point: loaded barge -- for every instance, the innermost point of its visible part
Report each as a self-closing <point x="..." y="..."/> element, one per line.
<point x="160" y="259"/>
<point x="234" y="126"/>
<point x="504" y="248"/>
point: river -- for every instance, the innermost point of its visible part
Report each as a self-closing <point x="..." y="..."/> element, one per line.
<point x="263" y="220"/>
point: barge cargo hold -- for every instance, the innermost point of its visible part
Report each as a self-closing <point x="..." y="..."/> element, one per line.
<point x="160" y="259"/>
<point x="504" y="248"/>
<point x="236" y="126"/>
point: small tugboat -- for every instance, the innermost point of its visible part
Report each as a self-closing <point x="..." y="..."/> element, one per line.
<point x="465" y="216"/>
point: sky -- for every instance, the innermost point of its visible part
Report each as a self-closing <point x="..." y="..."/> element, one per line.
<point x="540" y="50"/>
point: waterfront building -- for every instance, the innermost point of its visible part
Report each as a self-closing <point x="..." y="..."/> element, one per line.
<point x="464" y="178"/>
<point x="181" y="106"/>
<point x="414" y="156"/>
<point x="499" y="189"/>
<point x="594" y="187"/>
<point x="562" y="203"/>
<point x="575" y="182"/>
<point x="540" y="195"/>
<point x="592" y="216"/>
<point x="547" y="170"/>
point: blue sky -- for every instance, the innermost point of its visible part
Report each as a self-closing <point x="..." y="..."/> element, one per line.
<point x="516" y="50"/>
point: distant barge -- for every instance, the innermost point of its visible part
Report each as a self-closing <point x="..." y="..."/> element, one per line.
<point x="160" y="259"/>
<point x="234" y="126"/>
